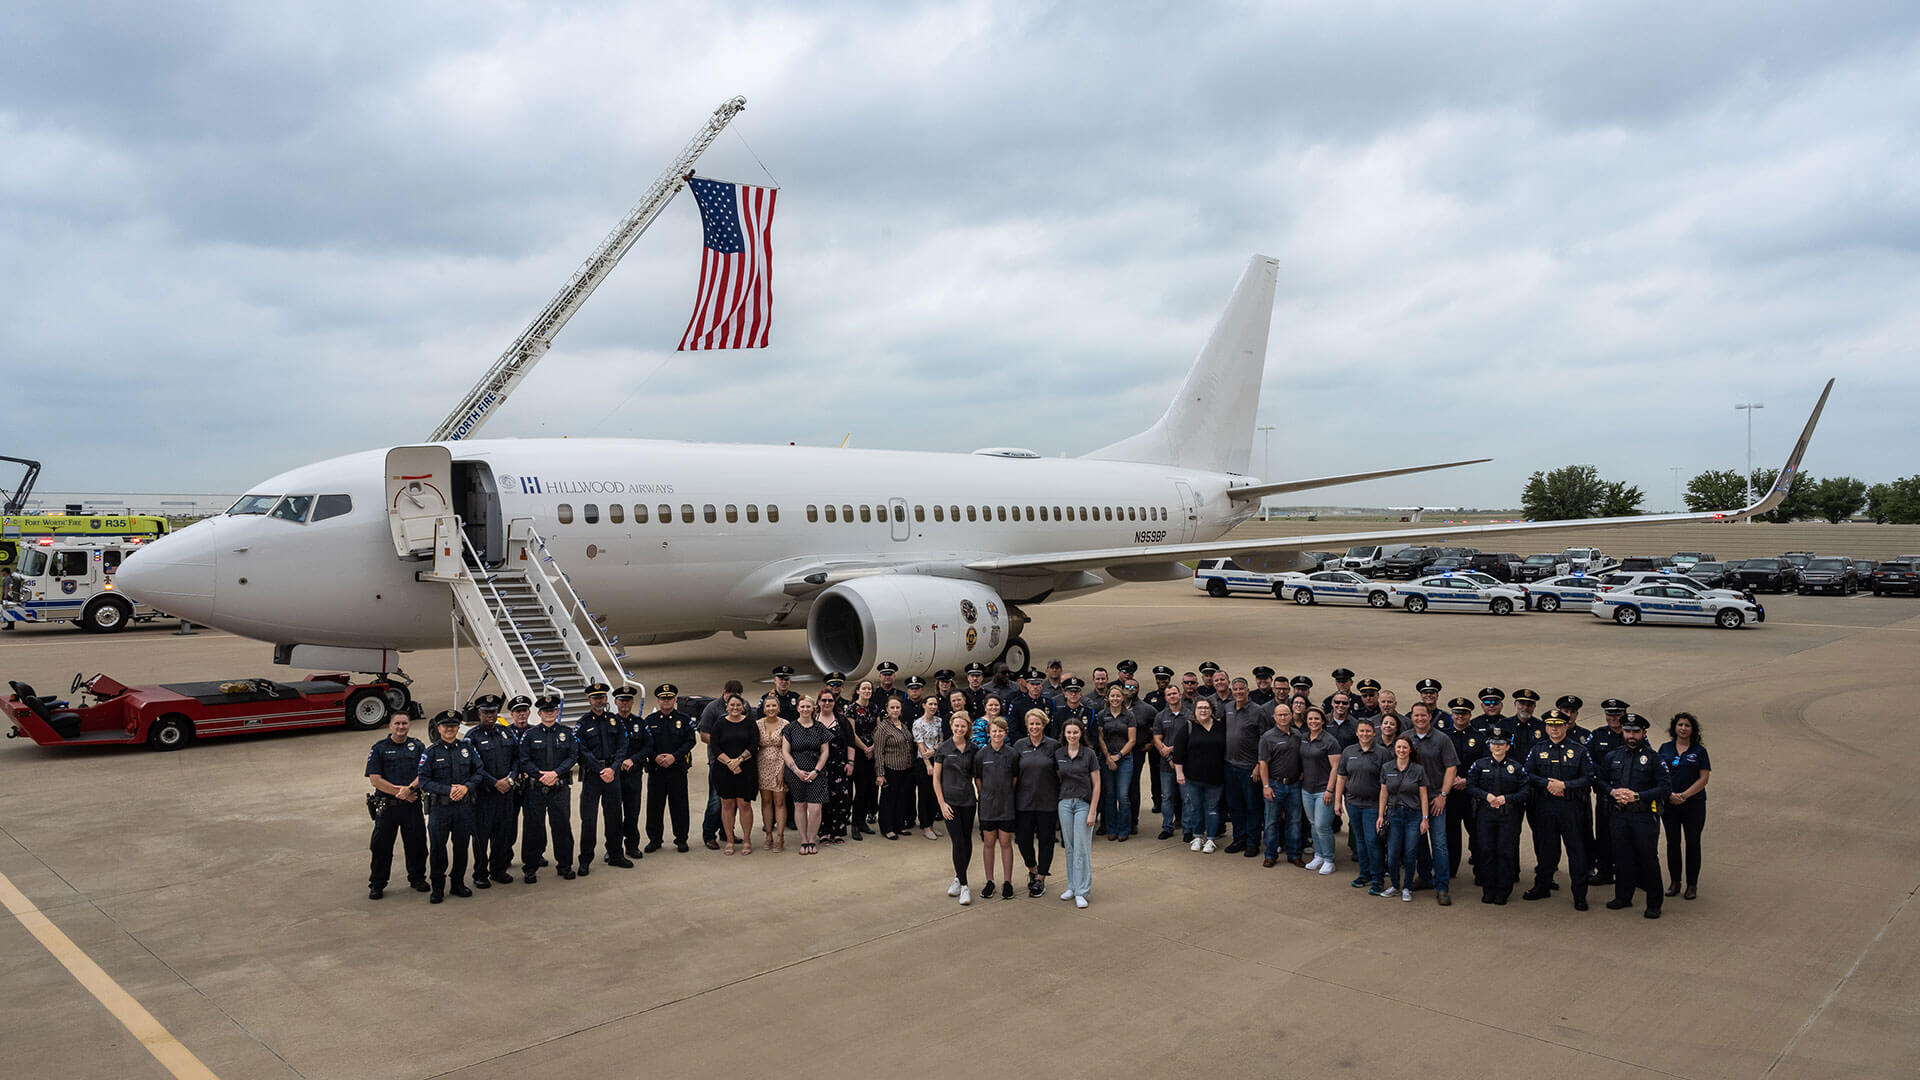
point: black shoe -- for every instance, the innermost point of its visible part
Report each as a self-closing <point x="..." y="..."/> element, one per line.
<point x="1653" y="913"/>
<point x="1691" y="893"/>
<point x="1236" y="847"/>
<point x="987" y="893"/>
<point x="1554" y="885"/>
<point x="419" y="886"/>
<point x="565" y="874"/>
<point x="541" y="863"/>
<point x="1156" y="808"/>
<point x="583" y="871"/>
<point x="1486" y="898"/>
<point x="1580" y="905"/>
<point x="1536" y="893"/>
<point x="375" y="892"/>
<point x="461" y="889"/>
<point x="1500" y="900"/>
<point x="1421" y="884"/>
<point x="1101" y="831"/>
<point x="652" y="846"/>
<point x="1673" y="889"/>
<point x="1251" y="852"/>
<point x="1034" y="888"/>
<point x="1616" y="905"/>
<point x="681" y="846"/>
<point x="480" y="882"/>
<point x="503" y="878"/>
<point x="620" y="861"/>
<point x="437" y="897"/>
<point x="1006" y="890"/>
<point x="1166" y="834"/>
<point x="633" y="852"/>
<point x="712" y="842"/>
<point x="529" y="877"/>
<point x="1186" y="838"/>
<point x="858" y="834"/>
<point x="1605" y="880"/>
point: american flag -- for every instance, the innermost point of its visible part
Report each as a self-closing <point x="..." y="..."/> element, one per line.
<point x="735" y="303"/>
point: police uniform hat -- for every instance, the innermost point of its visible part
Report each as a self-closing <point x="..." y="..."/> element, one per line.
<point x="834" y="678"/>
<point x="915" y="682"/>
<point x="1341" y="674"/>
<point x="1555" y="716"/>
<point x="1126" y="667"/>
<point x="1569" y="701"/>
<point x="887" y="667"/>
<point x="520" y="701"/>
<point x="1493" y="692"/>
<point x="1032" y="674"/>
<point x="1634" y="720"/>
<point x="1461" y="704"/>
<point x="1498" y="734"/>
<point x="1531" y="697"/>
<point x="597" y="688"/>
<point x="666" y="690"/>
<point x="1162" y="671"/>
<point x="783" y="671"/>
<point x="1074" y="683"/>
<point x="1368" y="686"/>
<point x="1301" y="681"/>
<point x="448" y="716"/>
<point x="488" y="702"/>
<point x="1208" y="667"/>
<point x="1612" y="705"/>
<point x="1263" y="672"/>
<point x="1427" y="686"/>
<point x="626" y="693"/>
<point x="976" y="668"/>
<point x="547" y="703"/>
<point x="944" y="675"/>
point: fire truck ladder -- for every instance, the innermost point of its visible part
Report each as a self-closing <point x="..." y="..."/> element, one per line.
<point x="524" y="617"/>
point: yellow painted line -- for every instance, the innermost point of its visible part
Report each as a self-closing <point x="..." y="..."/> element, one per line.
<point x="159" y="1042"/>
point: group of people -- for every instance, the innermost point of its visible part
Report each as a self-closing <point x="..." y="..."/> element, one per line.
<point x="1030" y="758"/>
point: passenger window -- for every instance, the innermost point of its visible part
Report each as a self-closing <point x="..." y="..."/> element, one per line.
<point x="708" y="512"/>
<point x="1056" y="514"/>
<point x="832" y="514"/>
<point x="919" y="514"/>
<point x="773" y="515"/>
<point x="866" y="513"/>
<point x="564" y="513"/>
<point x="954" y="512"/>
<point x="846" y="513"/>
<point x="753" y="513"/>
<point x="616" y="513"/>
<point x="686" y="513"/>
<point x="1083" y="513"/>
<point x="590" y="513"/>
<point x="939" y="512"/>
<point x="733" y="514"/>
<point x="1030" y="516"/>
<point x="332" y="506"/>
<point x="294" y="508"/>
<point x="639" y="513"/>
<point x="879" y="512"/>
<point x="813" y="512"/>
<point x="666" y="514"/>
<point x="971" y="514"/>
<point x="1003" y="512"/>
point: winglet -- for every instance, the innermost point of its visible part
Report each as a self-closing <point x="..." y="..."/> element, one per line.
<point x="1782" y="482"/>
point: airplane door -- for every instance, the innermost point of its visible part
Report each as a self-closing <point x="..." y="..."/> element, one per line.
<point x="902" y="528"/>
<point x="419" y="494"/>
<point x="1189" y="511"/>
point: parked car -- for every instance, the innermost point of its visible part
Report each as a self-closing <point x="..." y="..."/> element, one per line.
<point x="1799" y="559"/>
<point x="1456" y="552"/>
<point x="1332" y="587"/>
<point x="1323" y="560"/>
<point x="1767" y="575"/>
<point x="1580" y="558"/>
<point x="1829" y="573"/>
<point x="1627" y="579"/>
<point x="1407" y="563"/>
<point x="1866" y="567"/>
<point x="1684" y="559"/>
<point x="1504" y="565"/>
<point x="1446" y="564"/>
<point x="1570" y="591"/>
<point x="1646" y="564"/>
<point x="1457" y="593"/>
<point x="1535" y="567"/>
<point x="1218" y="577"/>
<point x="1669" y="602"/>
<point x="1711" y="574"/>
<point x="1896" y="575"/>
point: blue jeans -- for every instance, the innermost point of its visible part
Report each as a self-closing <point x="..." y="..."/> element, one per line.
<point x="1432" y="853"/>
<point x="1283" y="811"/>
<point x="1365" y="819"/>
<point x="1243" y="803"/>
<point x="1116" y="804"/>
<point x="1403" y="844"/>
<point x="1078" y="839"/>
<point x="1319" y="814"/>
<point x="1170" y="799"/>
<point x="1201" y="812"/>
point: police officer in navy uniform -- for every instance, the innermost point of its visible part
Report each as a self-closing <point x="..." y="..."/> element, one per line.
<point x="783" y="689"/>
<point x="916" y="689"/>
<point x="1561" y="774"/>
<point x="497" y="753"/>
<point x="1342" y="684"/>
<point x="1262" y="692"/>
<point x="1491" y="700"/>
<point x="1429" y="690"/>
<point x="1527" y="727"/>
<point x="1500" y="789"/>
<point x="672" y="737"/>
<point x="1162" y="678"/>
<point x="1156" y="700"/>
<point x="393" y="768"/>
<point x="1302" y="685"/>
<point x="632" y="767"/>
<point x="1570" y="705"/>
<point x="975" y="691"/>
<point x="884" y="688"/>
<point x="1070" y="708"/>
<point x="943" y="692"/>
<point x="449" y="775"/>
<point x="1368" y="705"/>
<point x="603" y="746"/>
<point x="548" y="753"/>
<point x="1026" y="695"/>
<point x="1637" y="783"/>
<point x="1470" y="744"/>
<point x="1600" y="746"/>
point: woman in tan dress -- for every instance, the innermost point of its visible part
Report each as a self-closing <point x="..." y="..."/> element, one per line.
<point x="773" y="778"/>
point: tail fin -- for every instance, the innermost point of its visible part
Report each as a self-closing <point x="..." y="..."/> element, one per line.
<point x="1210" y="423"/>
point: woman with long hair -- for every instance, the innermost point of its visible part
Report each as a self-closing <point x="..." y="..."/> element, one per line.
<point x="838" y="809"/>
<point x="1079" y="770"/>
<point x="953" y="785"/>
<point x="929" y="731"/>
<point x="807" y="752"/>
<point x="773" y="772"/>
<point x="865" y="717"/>
<point x="1403" y="814"/>
<point x="1200" y="766"/>
<point x="1319" y="749"/>
<point x="1687" y="763"/>
<point x="893" y="757"/>
<point x="735" y="742"/>
<point x="1116" y="731"/>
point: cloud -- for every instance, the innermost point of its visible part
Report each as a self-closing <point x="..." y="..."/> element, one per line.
<point x="240" y="237"/>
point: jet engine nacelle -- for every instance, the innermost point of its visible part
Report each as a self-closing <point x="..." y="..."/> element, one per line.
<point x="922" y="624"/>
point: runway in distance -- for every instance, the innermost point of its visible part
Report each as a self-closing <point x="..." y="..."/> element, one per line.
<point x="929" y="560"/>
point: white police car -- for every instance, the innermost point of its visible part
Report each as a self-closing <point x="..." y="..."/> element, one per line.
<point x="1333" y="587"/>
<point x="1456" y="592"/>
<point x="1567" y="590"/>
<point x="1218" y="577"/>
<point x="1670" y="602"/>
<point x="1609" y="582"/>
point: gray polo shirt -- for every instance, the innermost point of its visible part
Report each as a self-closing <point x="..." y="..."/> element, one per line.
<point x="1436" y="754"/>
<point x="1245" y="726"/>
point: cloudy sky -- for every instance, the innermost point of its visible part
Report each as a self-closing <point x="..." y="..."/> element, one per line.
<point x="238" y="237"/>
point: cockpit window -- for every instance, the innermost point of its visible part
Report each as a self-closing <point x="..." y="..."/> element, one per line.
<point x="332" y="506"/>
<point x="294" y="508"/>
<point x="253" y="504"/>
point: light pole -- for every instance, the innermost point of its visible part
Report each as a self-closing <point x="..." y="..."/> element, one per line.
<point x="1748" y="407"/>
<point x="1266" y="470"/>
<point x="1676" y="488"/>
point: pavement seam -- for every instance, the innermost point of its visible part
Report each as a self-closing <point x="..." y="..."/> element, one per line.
<point x="1821" y="1008"/>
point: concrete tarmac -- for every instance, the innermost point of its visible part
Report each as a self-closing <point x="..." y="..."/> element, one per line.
<point x="224" y="887"/>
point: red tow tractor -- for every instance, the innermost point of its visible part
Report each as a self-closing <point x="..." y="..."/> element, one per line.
<point x="169" y="716"/>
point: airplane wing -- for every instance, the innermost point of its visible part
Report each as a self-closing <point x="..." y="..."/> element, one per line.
<point x="1269" y="553"/>
<point x="1257" y="491"/>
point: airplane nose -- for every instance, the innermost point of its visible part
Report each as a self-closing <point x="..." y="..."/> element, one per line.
<point x="174" y="574"/>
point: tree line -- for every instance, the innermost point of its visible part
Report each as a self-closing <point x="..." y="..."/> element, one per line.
<point x="1578" y="491"/>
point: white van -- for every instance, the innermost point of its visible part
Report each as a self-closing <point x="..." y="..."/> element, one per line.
<point x="1367" y="558"/>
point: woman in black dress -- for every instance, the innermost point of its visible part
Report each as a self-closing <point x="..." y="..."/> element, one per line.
<point x="735" y="741"/>
<point x="865" y="717"/>
<point x="839" y="805"/>
<point x="806" y="750"/>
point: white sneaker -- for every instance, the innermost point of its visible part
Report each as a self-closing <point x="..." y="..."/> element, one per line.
<point x="1208" y="849"/>
<point x="1390" y="893"/>
<point x="1326" y="867"/>
<point x="1407" y="895"/>
<point x="1197" y="841"/>
<point x="1315" y="864"/>
<point x="954" y="889"/>
<point x="966" y="896"/>
<point x="1079" y="901"/>
<point x="1068" y="895"/>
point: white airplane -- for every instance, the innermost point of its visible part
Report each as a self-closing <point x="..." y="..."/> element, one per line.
<point x="876" y="554"/>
